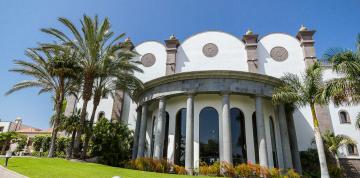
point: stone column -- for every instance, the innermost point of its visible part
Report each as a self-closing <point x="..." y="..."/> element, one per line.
<point x="136" y="133"/>
<point x="171" y="50"/>
<point x="117" y="105"/>
<point x="293" y="142"/>
<point x="226" y="125"/>
<point x="160" y="130"/>
<point x="189" y="147"/>
<point x="260" y="124"/>
<point x="285" y="144"/>
<point x="307" y="44"/>
<point x="251" y="41"/>
<point x="142" y="134"/>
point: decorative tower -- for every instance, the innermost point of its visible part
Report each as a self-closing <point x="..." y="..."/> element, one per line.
<point x="172" y="45"/>
<point x="251" y="42"/>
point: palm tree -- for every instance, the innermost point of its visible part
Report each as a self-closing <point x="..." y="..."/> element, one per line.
<point x="94" y="46"/>
<point x="114" y="75"/>
<point x="70" y="126"/>
<point x="301" y="92"/>
<point x="333" y="142"/>
<point x="52" y="69"/>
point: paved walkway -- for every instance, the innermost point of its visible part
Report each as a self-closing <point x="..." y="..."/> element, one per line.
<point x="6" y="173"/>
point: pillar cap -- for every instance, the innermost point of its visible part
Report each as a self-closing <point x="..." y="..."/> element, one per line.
<point x="172" y="43"/>
<point x="250" y="38"/>
<point x="303" y="28"/>
<point x="305" y="35"/>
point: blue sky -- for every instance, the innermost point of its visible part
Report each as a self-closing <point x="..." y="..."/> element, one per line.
<point x="336" y="22"/>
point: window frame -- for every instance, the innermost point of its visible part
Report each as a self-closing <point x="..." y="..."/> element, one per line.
<point x="347" y="117"/>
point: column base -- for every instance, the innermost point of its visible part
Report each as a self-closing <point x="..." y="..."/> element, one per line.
<point x="189" y="171"/>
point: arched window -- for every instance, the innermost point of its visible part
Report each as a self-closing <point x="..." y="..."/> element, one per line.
<point x="352" y="149"/>
<point x="238" y="136"/>
<point x="256" y="144"/>
<point x="166" y="136"/>
<point x="101" y="114"/>
<point x="209" y="135"/>
<point x="152" y="137"/>
<point x="180" y="134"/>
<point x="273" y="142"/>
<point x="344" y="117"/>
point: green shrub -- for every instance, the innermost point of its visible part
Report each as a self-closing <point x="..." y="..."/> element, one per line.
<point x="111" y="142"/>
<point x="41" y="141"/>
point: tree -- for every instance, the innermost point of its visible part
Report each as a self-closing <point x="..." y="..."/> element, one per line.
<point x="70" y="125"/>
<point x="94" y="45"/>
<point x="304" y="91"/>
<point x="52" y="68"/>
<point x="116" y="74"/>
<point x="111" y="142"/>
<point x="346" y="88"/>
<point x="333" y="142"/>
<point x="5" y="139"/>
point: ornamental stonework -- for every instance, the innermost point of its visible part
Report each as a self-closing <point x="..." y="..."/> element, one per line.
<point x="279" y="53"/>
<point x="148" y="60"/>
<point x="210" y="50"/>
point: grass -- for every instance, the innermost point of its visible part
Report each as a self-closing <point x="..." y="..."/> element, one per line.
<point x="61" y="168"/>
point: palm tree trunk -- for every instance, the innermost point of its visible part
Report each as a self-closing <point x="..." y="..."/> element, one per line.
<point x="337" y="161"/>
<point x="4" y="147"/>
<point x="319" y="144"/>
<point x="71" y="145"/>
<point x="59" y="103"/>
<point x="97" y="97"/>
<point x="87" y="93"/>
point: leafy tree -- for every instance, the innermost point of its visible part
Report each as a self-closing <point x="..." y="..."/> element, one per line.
<point x="5" y="139"/>
<point x="303" y="92"/>
<point x="334" y="142"/>
<point x="52" y="69"/>
<point x="21" y="141"/>
<point x="111" y="142"/>
<point x="94" y="45"/>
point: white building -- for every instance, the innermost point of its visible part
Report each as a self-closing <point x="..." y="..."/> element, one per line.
<point x="208" y="98"/>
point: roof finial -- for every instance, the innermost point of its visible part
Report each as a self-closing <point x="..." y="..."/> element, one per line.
<point x="128" y="39"/>
<point x="303" y="28"/>
<point x="172" y="37"/>
<point x="249" y="32"/>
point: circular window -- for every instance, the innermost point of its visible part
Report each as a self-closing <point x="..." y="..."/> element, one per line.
<point x="148" y="60"/>
<point x="210" y="50"/>
<point x="279" y="53"/>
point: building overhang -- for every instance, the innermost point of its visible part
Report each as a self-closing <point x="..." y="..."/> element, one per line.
<point x="212" y="81"/>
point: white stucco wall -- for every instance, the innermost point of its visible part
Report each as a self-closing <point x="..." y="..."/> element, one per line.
<point x="231" y="55"/>
<point x="348" y="129"/>
<point x="6" y="125"/>
<point x="105" y="105"/>
<point x="158" y="69"/>
<point x="293" y="64"/>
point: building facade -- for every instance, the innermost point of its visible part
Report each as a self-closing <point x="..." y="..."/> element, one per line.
<point x="208" y="98"/>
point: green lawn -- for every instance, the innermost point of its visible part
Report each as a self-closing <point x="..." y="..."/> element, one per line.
<point x="61" y="168"/>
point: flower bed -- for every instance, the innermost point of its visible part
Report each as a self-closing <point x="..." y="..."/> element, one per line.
<point x="222" y="169"/>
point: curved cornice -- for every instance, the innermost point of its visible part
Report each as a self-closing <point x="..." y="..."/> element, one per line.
<point x="168" y="83"/>
<point x="211" y="74"/>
